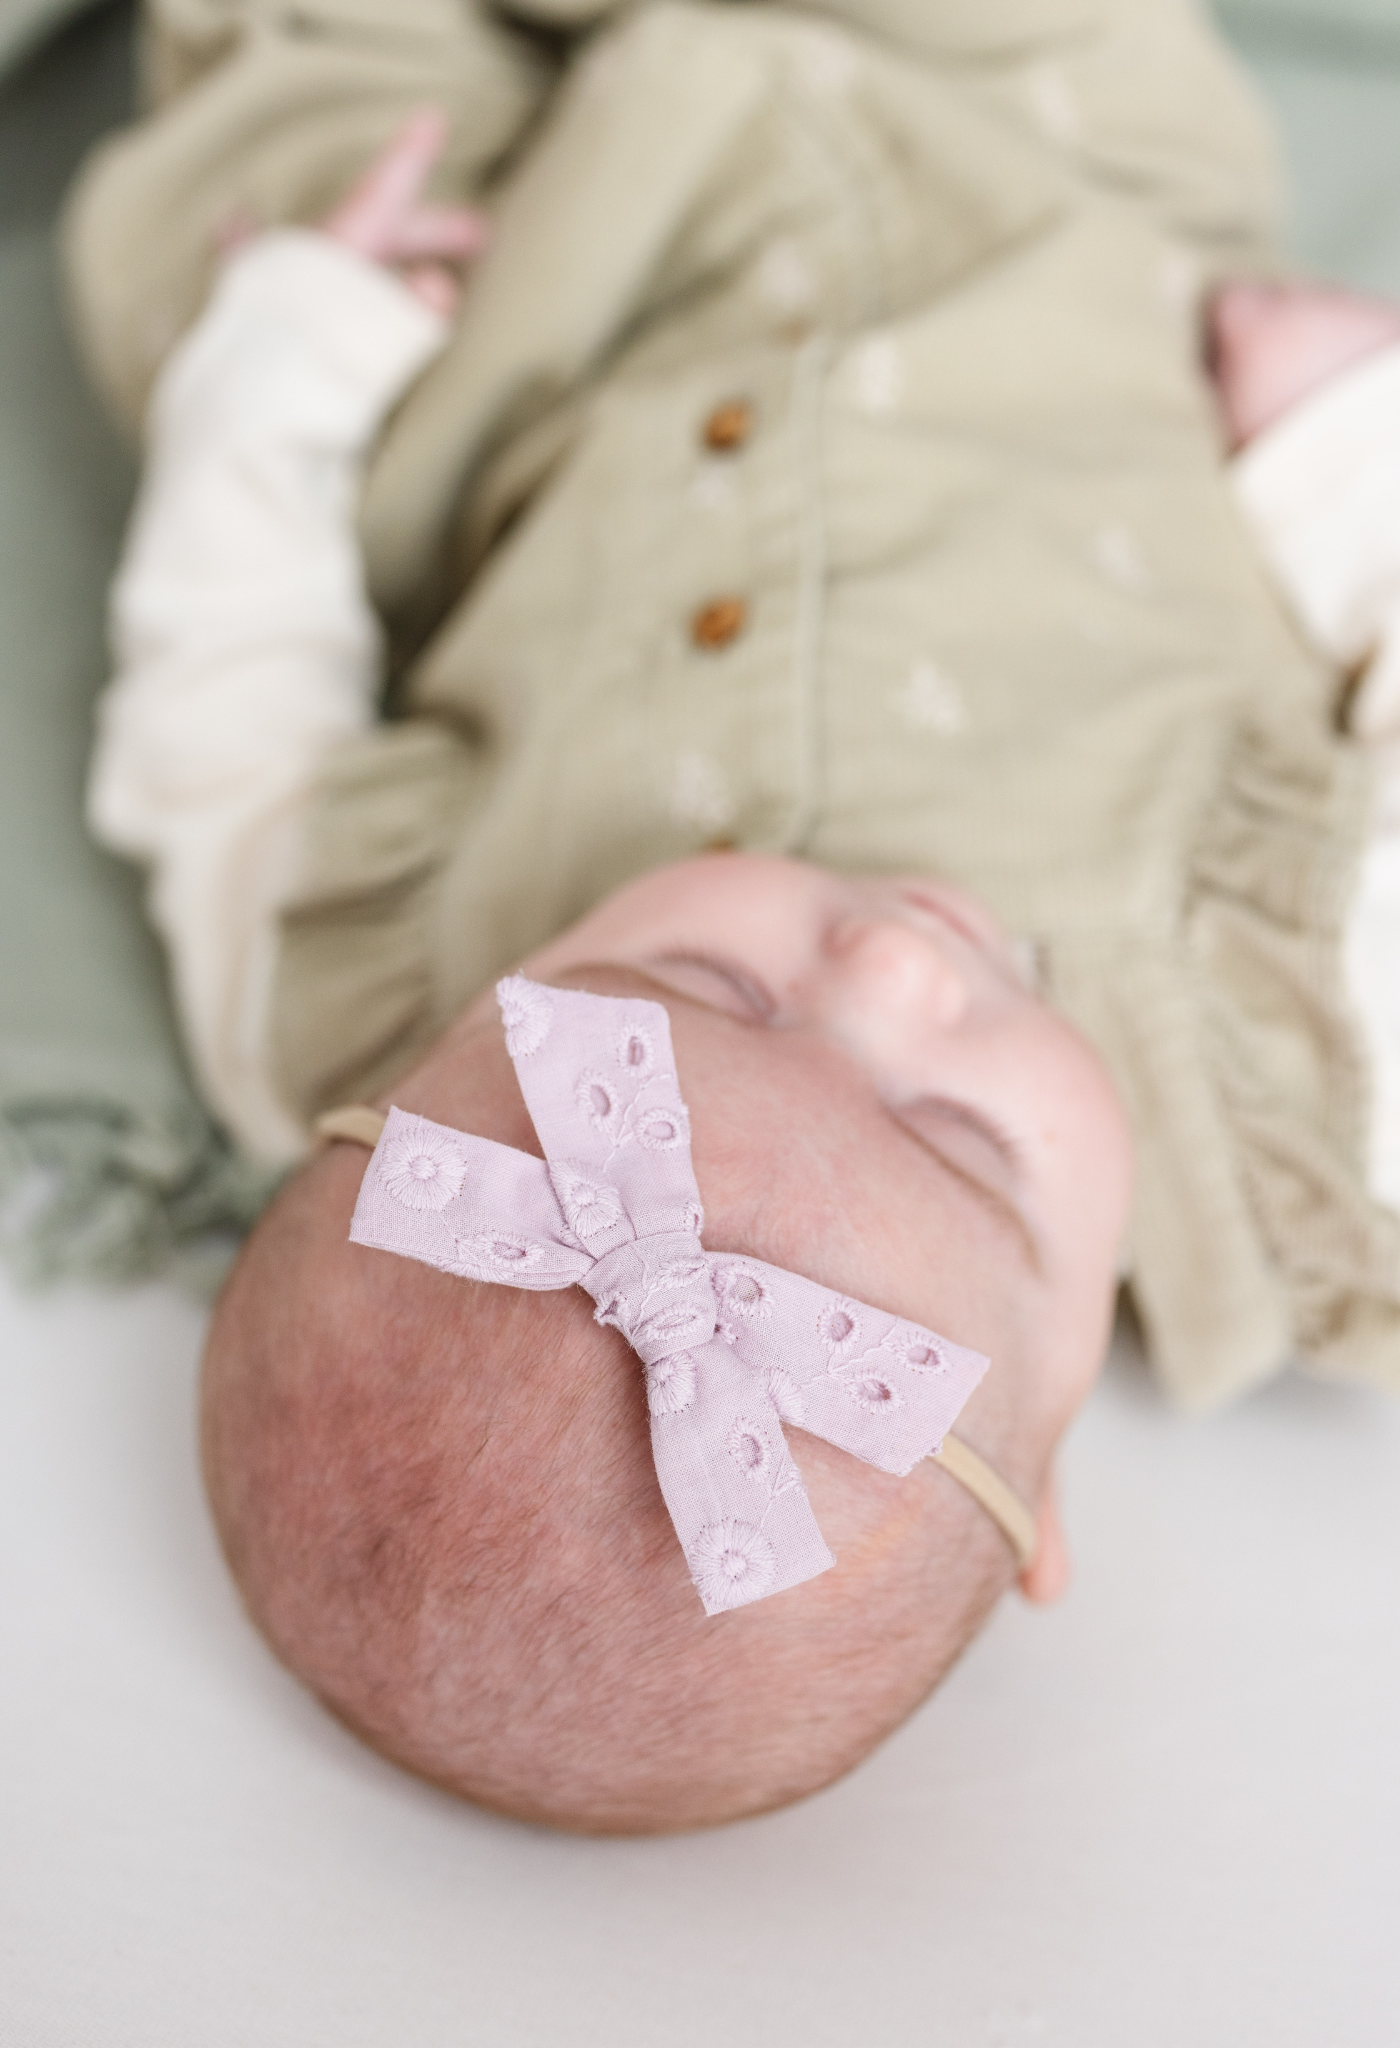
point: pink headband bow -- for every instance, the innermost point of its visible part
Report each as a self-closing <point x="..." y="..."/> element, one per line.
<point x="732" y="1348"/>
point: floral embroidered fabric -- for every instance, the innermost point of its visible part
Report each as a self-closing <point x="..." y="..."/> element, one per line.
<point x="732" y="1348"/>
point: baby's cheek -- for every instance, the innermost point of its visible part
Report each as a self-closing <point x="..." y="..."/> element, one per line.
<point x="1085" y="1155"/>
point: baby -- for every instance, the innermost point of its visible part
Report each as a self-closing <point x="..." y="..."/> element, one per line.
<point x="951" y="603"/>
<point x="438" y="1496"/>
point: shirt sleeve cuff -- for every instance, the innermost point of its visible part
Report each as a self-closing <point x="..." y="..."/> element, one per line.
<point x="292" y="310"/>
<point x="1321" y="490"/>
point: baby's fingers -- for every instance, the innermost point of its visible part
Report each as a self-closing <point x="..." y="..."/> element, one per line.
<point x="372" y="215"/>
<point x="435" y="287"/>
<point x="444" y="234"/>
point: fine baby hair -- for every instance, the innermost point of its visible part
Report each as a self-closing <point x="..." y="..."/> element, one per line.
<point x="440" y="1495"/>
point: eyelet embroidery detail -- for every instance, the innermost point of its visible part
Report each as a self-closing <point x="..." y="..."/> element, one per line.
<point x="786" y="1396"/>
<point x="922" y="1352"/>
<point x="423" y="1169"/>
<point x="612" y="1314"/>
<point x="636" y="1055"/>
<point x="872" y="1391"/>
<point x="510" y="1255"/>
<point x="742" y="1290"/>
<point x="732" y="1563"/>
<point x="527" y="1011"/>
<point x="670" y="1323"/>
<point x="616" y="1108"/>
<point x="682" y="1272"/>
<point x="671" y="1384"/>
<point x="663" y="1127"/>
<point x="590" y="1206"/>
<point x="598" y="1102"/>
<point x="750" y="1449"/>
<point x="838" y="1325"/>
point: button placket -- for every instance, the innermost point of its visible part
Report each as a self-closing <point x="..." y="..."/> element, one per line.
<point x="727" y="429"/>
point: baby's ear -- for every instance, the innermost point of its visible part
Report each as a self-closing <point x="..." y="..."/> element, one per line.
<point x="1046" y="1578"/>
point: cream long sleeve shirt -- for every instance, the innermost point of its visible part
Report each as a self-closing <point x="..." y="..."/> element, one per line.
<point x="245" y="646"/>
<point x="1322" y="491"/>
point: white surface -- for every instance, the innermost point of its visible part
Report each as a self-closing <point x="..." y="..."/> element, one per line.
<point x="1165" y="1814"/>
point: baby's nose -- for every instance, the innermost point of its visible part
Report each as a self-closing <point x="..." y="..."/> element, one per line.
<point x="890" y="975"/>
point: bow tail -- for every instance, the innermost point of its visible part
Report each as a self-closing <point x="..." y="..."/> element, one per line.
<point x="887" y="1420"/>
<point x="734" y="1494"/>
<point x="884" y="1390"/>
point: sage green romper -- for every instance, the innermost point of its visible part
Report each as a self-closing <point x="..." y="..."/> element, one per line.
<point x="822" y="463"/>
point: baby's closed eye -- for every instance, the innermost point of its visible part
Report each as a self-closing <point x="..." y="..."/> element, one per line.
<point x="720" y="984"/>
<point x="964" y="1139"/>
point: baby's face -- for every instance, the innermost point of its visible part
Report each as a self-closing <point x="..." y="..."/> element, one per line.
<point x="866" y="1067"/>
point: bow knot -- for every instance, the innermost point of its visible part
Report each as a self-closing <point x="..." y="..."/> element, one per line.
<point x="657" y="1291"/>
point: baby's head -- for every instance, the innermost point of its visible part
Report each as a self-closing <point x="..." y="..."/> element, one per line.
<point x="438" y="1496"/>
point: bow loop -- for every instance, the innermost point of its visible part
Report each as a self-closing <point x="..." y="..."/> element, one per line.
<point x="599" y="1080"/>
<point x="466" y="1205"/>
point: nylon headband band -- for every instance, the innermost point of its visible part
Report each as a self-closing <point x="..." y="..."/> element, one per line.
<point x="358" y="1125"/>
<point x="991" y="1492"/>
<point x="355" y="1124"/>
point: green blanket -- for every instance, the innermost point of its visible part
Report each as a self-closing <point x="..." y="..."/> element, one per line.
<point x="108" y="1165"/>
<point x="24" y="24"/>
<point x="1331" y="71"/>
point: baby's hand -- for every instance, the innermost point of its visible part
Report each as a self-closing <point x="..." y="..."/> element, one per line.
<point x="383" y="218"/>
<point x="1272" y="346"/>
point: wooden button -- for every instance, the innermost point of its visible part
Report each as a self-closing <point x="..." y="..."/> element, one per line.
<point x="729" y="427"/>
<point x="715" y="625"/>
